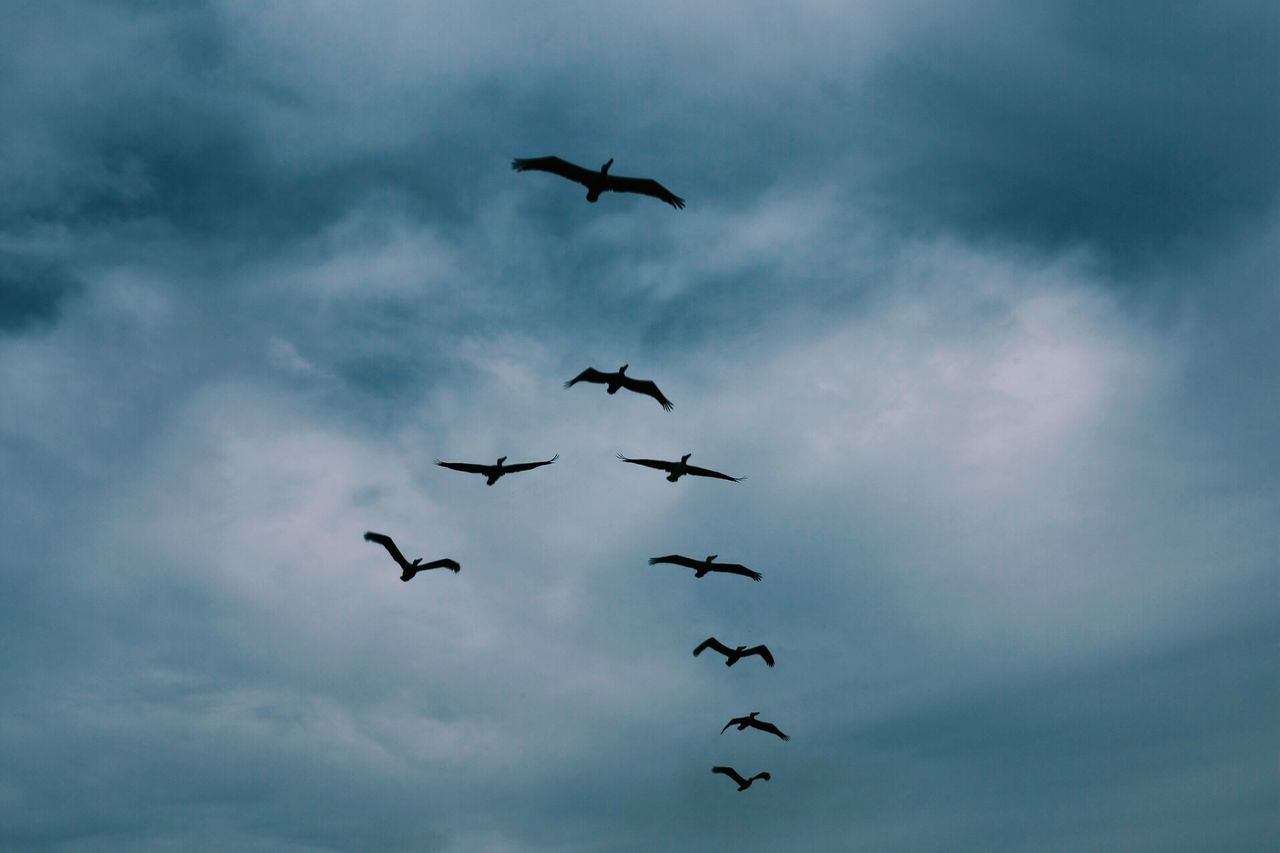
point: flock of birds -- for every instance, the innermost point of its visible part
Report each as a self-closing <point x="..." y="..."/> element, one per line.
<point x="598" y="182"/>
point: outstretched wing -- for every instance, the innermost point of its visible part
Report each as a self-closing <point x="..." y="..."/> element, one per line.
<point x="707" y="472"/>
<point x="675" y="559"/>
<point x="650" y="463"/>
<point x="763" y="651"/>
<point x="768" y="727"/>
<point x="712" y="643"/>
<point x="644" y="186"/>
<point x="555" y="166"/>
<point x="647" y="387"/>
<point x="385" y="541"/>
<point x="588" y="375"/>
<point x="761" y="775"/>
<point x="736" y="569"/>
<point x="529" y="466"/>
<point x="731" y="773"/>
<point x="732" y="722"/>
<point x="469" y="467"/>
<point x="452" y="565"/>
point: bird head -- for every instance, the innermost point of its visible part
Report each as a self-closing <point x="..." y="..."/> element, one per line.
<point x="711" y="557"/>
<point x="501" y="459"/>
<point x="685" y="458"/>
<point x="419" y="560"/>
<point x="623" y="369"/>
<point x="754" y="714"/>
<point x="604" y="170"/>
<point x="740" y="648"/>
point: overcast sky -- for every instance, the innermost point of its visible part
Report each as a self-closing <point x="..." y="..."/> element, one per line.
<point x="980" y="297"/>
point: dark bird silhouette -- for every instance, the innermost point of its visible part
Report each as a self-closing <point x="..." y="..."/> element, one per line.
<point x="734" y="655"/>
<point x="750" y="721"/>
<point x="493" y="472"/>
<point x="407" y="569"/>
<point x="598" y="182"/>
<point x="743" y="784"/>
<point x="701" y="567"/>
<point x="676" y="470"/>
<point x="614" y="381"/>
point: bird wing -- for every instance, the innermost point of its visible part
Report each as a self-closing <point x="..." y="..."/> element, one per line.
<point x="650" y="463"/>
<point x="712" y="643"/>
<point x="761" y="775"/>
<point x="675" y="559"/>
<point x="588" y="375"/>
<point x="555" y="166"/>
<point x="528" y="466"/>
<point x="768" y="727"/>
<point x="385" y="541"/>
<point x="763" y="651"/>
<point x="732" y="722"/>
<point x="735" y="569"/>
<point x="648" y="387"/>
<point x="644" y="186"/>
<point x="707" y="472"/>
<point x="445" y="563"/>
<point x="469" y="467"/>
<point x="731" y="773"/>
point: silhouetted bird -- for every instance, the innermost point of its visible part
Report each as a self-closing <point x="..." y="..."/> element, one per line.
<point x="493" y="472"/>
<point x="743" y="784"/>
<point x="598" y="182"/>
<point x="733" y="655"/>
<point x="750" y="721"/>
<point x="407" y="569"/>
<point x="614" y="381"/>
<point x="676" y="470"/>
<point x="701" y="567"/>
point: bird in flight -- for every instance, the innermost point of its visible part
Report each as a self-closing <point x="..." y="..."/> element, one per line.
<point x="407" y="569"/>
<point x="701" y="567"/>
<point x="743" y="784"/>
<point x="733" y="655"/>
<point x="617" y="380"/>
<point x="598" y="182"/>
<point x="676" y="470"/>
<point x="493" y="472"/>
<point x="750" y="721"/>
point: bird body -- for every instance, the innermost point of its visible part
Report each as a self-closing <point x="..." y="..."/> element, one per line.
<point x="598" y="182"/>
<point x="734" y="655"/>
<point x="676" y="470"/>
<point x="407" y="569"/>
<point x="614" y="381"/>
<point x="750" y="721"/>
<point x="743" y="784"/>
<point x="493" y="473"/>
<point x="702" y="567"/>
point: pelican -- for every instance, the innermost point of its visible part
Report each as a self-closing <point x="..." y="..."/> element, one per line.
<point x="598" y="182"/>
<point x="733" y="655"/>
<point x="614" y="381"/>
<point x="701" y="567"/>
<point x="743" y="784"/>
<point x="676" y="470"/>
<point x="407" y="569"/>
<point x="493" y="472"/>
<point x="750" y="721"/>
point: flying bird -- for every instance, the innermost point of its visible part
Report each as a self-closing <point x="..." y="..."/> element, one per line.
<point x="493" y="472"/>
<point x="407" y="569"/>
<point x="701" y="567"/>
<point x="598" y="182"/>
<point x="614" y="381"/>
<point x="750" y="721"/>
<point x="743" y="784"/>
<point x="676" y="470"/>
<point x="733" y="655"/>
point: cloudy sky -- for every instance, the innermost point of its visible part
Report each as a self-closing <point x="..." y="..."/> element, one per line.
<point x="981" y="297"/>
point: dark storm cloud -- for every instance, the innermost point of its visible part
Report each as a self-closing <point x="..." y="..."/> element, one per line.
<point x="31" y="292"/>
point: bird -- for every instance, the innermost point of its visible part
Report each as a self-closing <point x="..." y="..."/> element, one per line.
<point x="676" y="470"/>
<point x="497" y="470"/>
<point x="701" y="567"/>
<point x="614" y="381"/>
<point x="407" y="569"/>
<point x="750" y="721"/>
<point x="743" y="784"/>
<point x="734" y="655"/>
<point x="598" y="182"/>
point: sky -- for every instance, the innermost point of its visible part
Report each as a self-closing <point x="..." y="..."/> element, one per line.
<point x="980" y="297"/>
